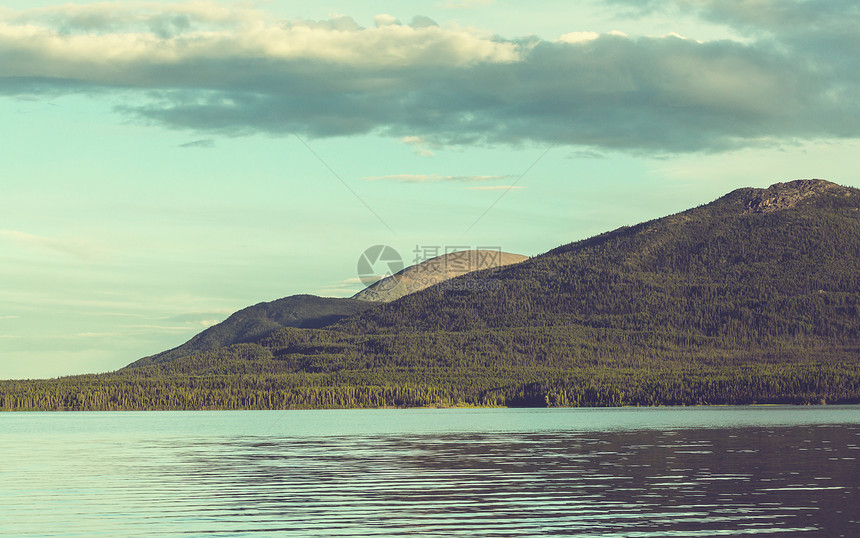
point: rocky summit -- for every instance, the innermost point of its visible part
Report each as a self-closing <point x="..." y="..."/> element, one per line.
<point x="782" y="196"/>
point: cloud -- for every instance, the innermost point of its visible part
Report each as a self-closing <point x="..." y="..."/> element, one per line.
<point x="586" y="154"/>
<point x="578" y="37"/>
<point x="385" y="20"/>
<point x="203" y="143"/>
<point x="584" y="37"/>
<point x="162" y="328"/>
<point x="344" y="288"/>
<point x="202" y="318"/>
<point x="97" y="334"/>
<point x="160" y="19"/>
<point x="421" y="21"/>
<point x="348" y="282"/>
<point x="432" y="178"/>
<point x="72" y="247"/>
<point x="237" y="70"/>
<point x="107" y="45"/>
<point x="420" y="145"/>
<point x="808" y="28"/>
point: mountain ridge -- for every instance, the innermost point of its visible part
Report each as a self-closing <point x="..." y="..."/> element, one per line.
<point x="753" y="297"/>
<point x="254" y="322"/>
<point x="700" y="243"/>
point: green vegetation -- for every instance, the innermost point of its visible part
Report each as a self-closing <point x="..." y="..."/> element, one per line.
<point x="255" y="322"/>
<point x="795" y="384"/>
<point x="753" y="298"/>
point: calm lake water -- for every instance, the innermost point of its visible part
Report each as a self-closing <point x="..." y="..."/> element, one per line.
<point x="488" y="472"/>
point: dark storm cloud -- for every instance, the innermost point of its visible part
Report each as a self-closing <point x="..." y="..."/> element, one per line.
<point x="450" y="86"/>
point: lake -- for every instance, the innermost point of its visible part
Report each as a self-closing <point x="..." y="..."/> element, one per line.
<point x="638" y="472"/>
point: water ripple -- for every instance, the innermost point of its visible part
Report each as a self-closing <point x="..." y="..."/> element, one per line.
<point x="786" y="480"/>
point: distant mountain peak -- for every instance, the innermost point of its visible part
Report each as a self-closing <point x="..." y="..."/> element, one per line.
<point x="434" y="271"/>
<point x="782" y="196"/>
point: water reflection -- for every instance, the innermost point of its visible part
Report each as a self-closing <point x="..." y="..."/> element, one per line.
<point x="797" y="480"/>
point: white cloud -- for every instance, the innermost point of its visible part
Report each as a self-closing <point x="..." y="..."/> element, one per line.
<point x="74" y="247"/>
<point x="420" y="145"/>
<point x="109" y="44"/>
<point x="585" y="37"/>
<point x="348" y="282"/>
<point x="96" y="334"/>
<point x="578" y="37"/>
<point x="679" y="36"/>
<point x="385" y="20"/>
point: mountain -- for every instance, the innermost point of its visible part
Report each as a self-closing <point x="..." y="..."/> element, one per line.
<point x="756" y="264"/>
<point x="754" y="297"/>
<point x="254" y="322"/>
<point x="435" y="271"/>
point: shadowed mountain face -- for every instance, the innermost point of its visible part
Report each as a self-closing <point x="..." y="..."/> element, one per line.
<point x="255" y="322"/>
<point x="434" y="271"/>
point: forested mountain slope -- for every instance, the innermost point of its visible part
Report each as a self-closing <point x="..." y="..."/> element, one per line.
<point x="754" y="297"/>
<point x="254" y="322"/>
<point x="755" y="265"/>
<point x="311" y="312"/>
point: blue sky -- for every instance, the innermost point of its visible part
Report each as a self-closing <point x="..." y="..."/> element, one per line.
<point x="164" y="164"/>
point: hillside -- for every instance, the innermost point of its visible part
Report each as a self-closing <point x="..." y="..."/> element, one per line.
<point x="254" y="322"/>
<point x="754" y="265"/>
<point x="435" y="271"/>
<point x="754" y="297"/>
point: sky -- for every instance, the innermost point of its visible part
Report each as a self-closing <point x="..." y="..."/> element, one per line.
<point x="164" y="164"/>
